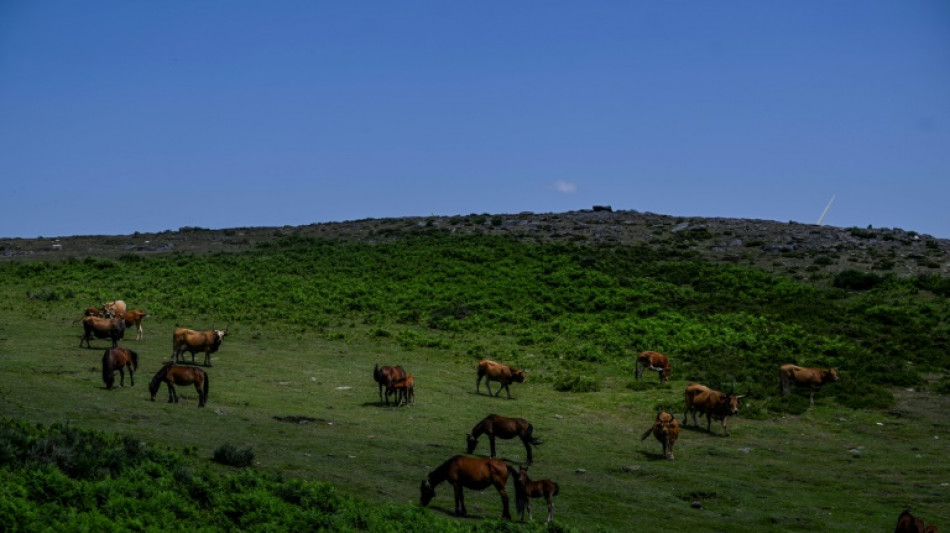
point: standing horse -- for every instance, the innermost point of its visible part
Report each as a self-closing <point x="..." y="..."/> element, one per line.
<point x="118" y="358"/>
<point x="405" y="390"/>
<point x="503" y="428"/>
<point x="172" y="374"/>
<point x="542" y="488"/>
<point x="475" y="473"/>
<point x="386" y="376"/>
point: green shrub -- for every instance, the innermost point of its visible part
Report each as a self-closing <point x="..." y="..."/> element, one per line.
<point x="230" y="455"/>
<point x="576" y="383"/>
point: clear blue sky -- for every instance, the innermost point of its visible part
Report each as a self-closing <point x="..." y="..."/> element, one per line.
<point x="127" y="116"/>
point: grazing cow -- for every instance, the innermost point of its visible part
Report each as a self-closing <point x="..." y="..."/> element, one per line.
<point x="503" y="374"/>
<point x="102" y="328"/>
<point x="385" y="376"/>
<point x="114" y="308"/>
<point x="503" y="428"/>
<point x="653" y="361"/>
<point x="908" y="523"/>
<point x="189" y="340"/>
<point x="542" y="488"/>
<point x="712" y="403"/>
<point x="405" y="390"/>
<point x="813" y="378"/>
<point x="134" y="318"/>
<point x="666" y="430"/>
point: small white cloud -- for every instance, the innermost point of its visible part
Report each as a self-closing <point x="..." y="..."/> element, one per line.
<point x="565" y="187"/>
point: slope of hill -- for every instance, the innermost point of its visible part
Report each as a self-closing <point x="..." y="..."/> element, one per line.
<point x="804" y="251"/>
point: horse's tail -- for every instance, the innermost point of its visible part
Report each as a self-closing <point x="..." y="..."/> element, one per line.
<point x="557" y="488"/>
<point x="107" y="376"/>
<point x="521" y="500"/>
<point x="204" y="394"/>
<point x="531" y="438"/>
<point x="135" y="360"/>
<point x="376" y="376"/>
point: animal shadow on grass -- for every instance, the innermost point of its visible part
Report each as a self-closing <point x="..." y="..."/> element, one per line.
<point x="652" y="456"/>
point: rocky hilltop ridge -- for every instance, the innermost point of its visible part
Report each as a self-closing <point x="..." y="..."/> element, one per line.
<point x="794" y="248"/>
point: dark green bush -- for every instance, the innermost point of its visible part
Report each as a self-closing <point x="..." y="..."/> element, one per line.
<point x="230" y="455"/>
<point x="576" y="383"/>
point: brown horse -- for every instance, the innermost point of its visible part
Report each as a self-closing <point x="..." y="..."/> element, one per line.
<point x="405" y="390"/>
<point x="542" y="488"/>
<point x="503" y="428"/>
<point x="386" y="376"/>
<point x="118" y="358"/>
<point x="475" y="473"/>
<point x="172" y="374"/>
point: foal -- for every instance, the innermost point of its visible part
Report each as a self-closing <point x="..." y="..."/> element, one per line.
<point x="405" y="390"/>
<point x="535" y="489"/>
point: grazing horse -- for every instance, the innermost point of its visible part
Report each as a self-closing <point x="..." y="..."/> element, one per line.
<point x="386" y="376"/>
<point x="476" y="473"/>
<point x="405" y="390"/>
<point x="653" y="361"/>
<point x="542" y="488"/>
<point x="503" y="428"/>
<point x="118" y="358"/>
<point x="666" y="430"/>
<point x="172" y="374"/>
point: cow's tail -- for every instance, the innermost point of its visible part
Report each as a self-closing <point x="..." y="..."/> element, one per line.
<point x="135" y="360"/>
<point x="646" y="433"/>
<point x="531" y="438"/>
<point x="521" y="500"/>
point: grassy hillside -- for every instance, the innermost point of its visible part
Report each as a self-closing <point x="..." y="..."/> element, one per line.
<point x="309" y="317"/>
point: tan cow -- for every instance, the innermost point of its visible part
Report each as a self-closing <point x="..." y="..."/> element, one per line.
<point x="714" y="404"/>
<point x="207" y="341"/>
<point x="666" y="430"/>
<point x="653" y="361"/>
<point x="114" y="308"/>
<point x="492" y="371"/>
<point x="813" y="378"/>
<point x="134" y="318"/>
<point x="102" y="328"/>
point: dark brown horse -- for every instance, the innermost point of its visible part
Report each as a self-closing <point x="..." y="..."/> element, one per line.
<point x="118" y="358"/>
<point x="475" y="473"/>
<point x="542" y="488"/>
<point x="172" y="374"/>
<point x="386" y="376"/>
<point x="503" y="428"/>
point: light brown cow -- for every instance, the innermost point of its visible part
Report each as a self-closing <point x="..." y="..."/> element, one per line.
<point x="653" y="361"/>
<point x="666" y="430"/>
<point x="102" y="328"/>
<point x="207" y="341"/>
<point x="813" y="378"/>
<point x="492" y="371"/>
<point x="114" y="308"/>
<point x="134" y="318"/>
<point x="714" y="404"/>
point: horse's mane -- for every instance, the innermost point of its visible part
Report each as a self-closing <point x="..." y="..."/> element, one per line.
<point x="440" y="473"/>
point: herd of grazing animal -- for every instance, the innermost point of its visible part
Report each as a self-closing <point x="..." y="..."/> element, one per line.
<point x="460" y="471"/>
<point x="110" y="322"/>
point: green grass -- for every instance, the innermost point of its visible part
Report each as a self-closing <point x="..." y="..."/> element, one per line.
<point x="293" y="380"/>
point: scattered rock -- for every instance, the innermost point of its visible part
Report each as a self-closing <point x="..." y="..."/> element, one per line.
<point x="696" y="505"/>
<point x="580" y="471"/>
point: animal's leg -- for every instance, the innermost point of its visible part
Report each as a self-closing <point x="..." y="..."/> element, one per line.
<point x="527" y="446"/>
<point x="709" y="422"/>
<point x="638" y="372"/>
<point x="488" y="386"/>
<point x="550" y="509"/>
<point x="201" y="397"/>
<point x="172" y="396"/>
<point x="139" y="335"/>
<point x="207" y="358"/>
<point x="527" y="507"/>
<point x="478" y="383"/>
<point x="491" y="441"/>
<point x="121" y="377"/>
<point x="505" y="512"/>
<point x="724" y="429"/>
<point x="811" y="398"/>
<point x="459" y="500"/>
<point x="507" y="391"/>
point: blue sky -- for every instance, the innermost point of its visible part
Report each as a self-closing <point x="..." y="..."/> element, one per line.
<point x="127" y="116"/>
